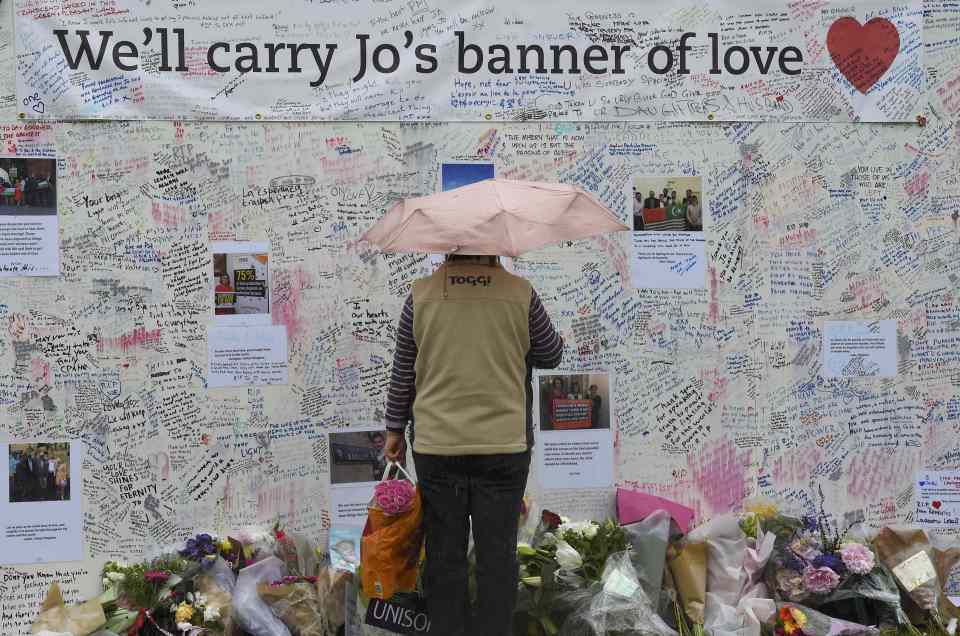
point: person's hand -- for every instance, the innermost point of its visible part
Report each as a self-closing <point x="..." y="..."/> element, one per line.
<point x="396" y="448"/>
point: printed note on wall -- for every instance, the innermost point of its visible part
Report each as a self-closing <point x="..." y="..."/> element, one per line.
<point x="244" y="356"/>
<point x="574" y="442"/>
<point x="860" y="348"/>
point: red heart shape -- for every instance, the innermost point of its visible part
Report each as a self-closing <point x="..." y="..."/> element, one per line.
<point x="936" y="505"/>
<point x="863" y="54"/>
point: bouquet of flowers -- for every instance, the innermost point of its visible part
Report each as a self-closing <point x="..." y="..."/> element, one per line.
<point x="394" y="496"/>
<point x="294" y="598"/>
<point x="793" y="620"/>
<point x="914" y="563"/>
<point x="830" y="570"/>
<point x="563" y="557"/>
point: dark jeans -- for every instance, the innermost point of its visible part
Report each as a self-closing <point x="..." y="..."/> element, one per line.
<point x="487" y="489"/>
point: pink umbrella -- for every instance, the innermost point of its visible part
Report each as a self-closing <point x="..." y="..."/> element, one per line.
<point x="494" y="216"/>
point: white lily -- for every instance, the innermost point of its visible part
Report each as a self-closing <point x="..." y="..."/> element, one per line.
<point x="568" y="558"/>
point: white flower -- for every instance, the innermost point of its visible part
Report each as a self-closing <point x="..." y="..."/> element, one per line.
<point x="211" y="614"/>
<point x="190" y="597"/>
<point x="587" y="529"/>
<point x="184" y="627"/>
<point x="564" y="520"/>
<point x="199" y="599"/>
<point x="568" y="558"/>
<point x="116" y="577"/>
<point x="107" y="582"/>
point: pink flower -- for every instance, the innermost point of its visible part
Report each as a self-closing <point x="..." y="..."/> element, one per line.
<point x="857" y="557"/>
<point x="820" y="580"/>
<point x="156" y="576"/>
<point x="395" y="496"/>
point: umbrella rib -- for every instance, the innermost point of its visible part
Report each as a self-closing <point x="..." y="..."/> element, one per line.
<point x="504" y="210"/>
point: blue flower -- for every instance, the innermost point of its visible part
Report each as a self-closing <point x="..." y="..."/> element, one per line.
<point x="810" y="523"/>
<point x="831" y="561"/>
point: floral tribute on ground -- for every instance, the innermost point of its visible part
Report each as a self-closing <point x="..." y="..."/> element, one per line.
<point x="758" y="572"/>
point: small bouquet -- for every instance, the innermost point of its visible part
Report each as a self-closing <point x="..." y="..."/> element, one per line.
<point x="834" y="572"/>
<point x="294" y="598"/>
<point x="688" y="566"/>
<point x="394" y="496"/>
<point x="194" y="615"/>
<point x="295" y="601"/>
<point x="793" y="620"/>
<point x="914" y="563"/>
<point x="564" y="559"/>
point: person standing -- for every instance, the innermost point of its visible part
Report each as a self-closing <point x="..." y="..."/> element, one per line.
<point x="694" y="215"/>
<point x="651" y="202"/>
<point x="596" y="402"/>
<point x="468" y="338"/>
<point x="62" y="478"/>
<point x="51" y="486"/>
<point x="224" y="297"/>
<point x="637" y="212"/>
<point x="40" y="475"/>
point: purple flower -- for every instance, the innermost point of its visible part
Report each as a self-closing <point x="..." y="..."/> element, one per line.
<point x="805" y="548"/>
<point x="820" y="580"/>
<point x="830" y="560"/>
<point x="810" y="523"/>
<point x="791" y="561"/>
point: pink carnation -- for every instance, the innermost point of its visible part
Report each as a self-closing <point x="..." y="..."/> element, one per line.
<point x="820" y="580"/>
<point x="857" y="557"/>
<point x="394" y="496"/>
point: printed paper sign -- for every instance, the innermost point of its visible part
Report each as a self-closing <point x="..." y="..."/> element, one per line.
<point x="29" y="224"/>
<point x="859" y="348"/>
<point x="357" y="462"/>
<point x="246" y="356"/>
<point x="40" y="503"/>
<point x="575" y="444"/>
<point x="938" y="500"/>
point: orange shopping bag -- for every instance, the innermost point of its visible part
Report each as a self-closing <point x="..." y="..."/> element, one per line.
<point x="390" y="547"/>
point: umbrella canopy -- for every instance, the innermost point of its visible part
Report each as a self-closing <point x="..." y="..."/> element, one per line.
<point x="494" y="216"/>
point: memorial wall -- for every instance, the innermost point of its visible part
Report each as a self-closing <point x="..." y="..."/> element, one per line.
<point x="190" y="326"/>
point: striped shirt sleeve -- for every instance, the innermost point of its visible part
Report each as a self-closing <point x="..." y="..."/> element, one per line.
<point x="546" y="345"/>
<point x="402" y="382"/>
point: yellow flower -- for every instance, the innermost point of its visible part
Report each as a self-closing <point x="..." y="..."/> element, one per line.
<point x="798" y="617"/>
<point x="184" y="613"/>
<point x="789" y="627"/>
<point x="225" y="546"/>
<point x="762" y="508"/>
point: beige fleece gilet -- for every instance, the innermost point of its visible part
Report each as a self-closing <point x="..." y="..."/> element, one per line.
<point x="471" y="326"/>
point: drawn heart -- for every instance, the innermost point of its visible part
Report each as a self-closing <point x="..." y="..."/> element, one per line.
<point x="38" y="107"/>
<point x="936" y="505"/>
<point x="864" y="53"/>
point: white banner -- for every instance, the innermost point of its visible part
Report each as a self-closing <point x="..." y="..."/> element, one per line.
<point x="733" y="60"/>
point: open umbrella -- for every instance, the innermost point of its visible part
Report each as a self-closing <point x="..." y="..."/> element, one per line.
<point x="495" y="217"/>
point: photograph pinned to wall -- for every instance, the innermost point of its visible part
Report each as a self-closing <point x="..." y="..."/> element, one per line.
<point x="345" y="547"/>
<point x="40" y="510"/>
<point x="860" y="348"/>
<point x="575" y="439"/>
<point x="357" y="461"/>
<point x="669" y="250"/>
<point x="241" y="283"/>
<point x="29" y="223"/>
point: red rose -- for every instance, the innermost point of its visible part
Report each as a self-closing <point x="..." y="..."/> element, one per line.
<point x="552" y="519"/>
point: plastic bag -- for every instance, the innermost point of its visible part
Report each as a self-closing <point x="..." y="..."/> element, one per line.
<point x="616" y="604"/>
<point x="390" y="548"/>
<point x="249" y="610"/>
<point x="649" y="539"/>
